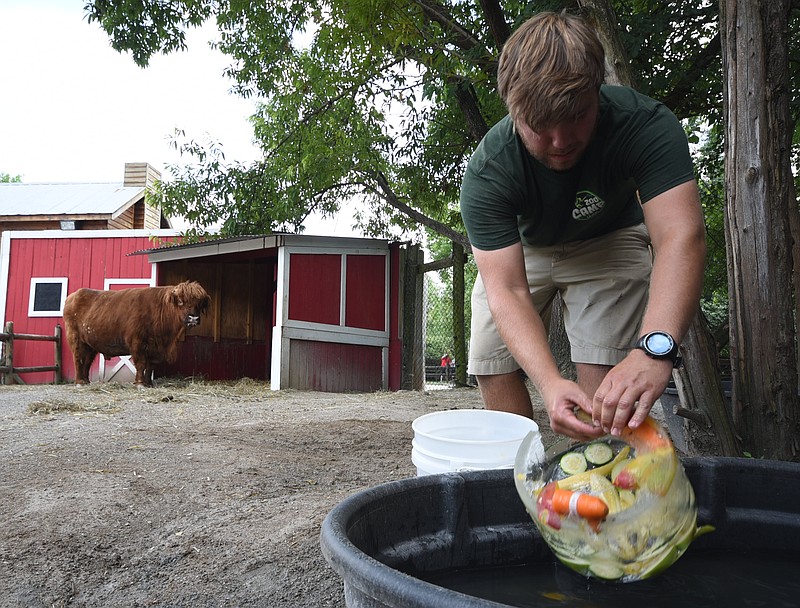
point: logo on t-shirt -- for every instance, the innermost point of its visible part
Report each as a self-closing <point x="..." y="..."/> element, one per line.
<point x="587" y="205"/>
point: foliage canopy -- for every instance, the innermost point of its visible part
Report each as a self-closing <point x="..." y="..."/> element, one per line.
<point x="378" y="100"/>
<point x="7" y="178"/>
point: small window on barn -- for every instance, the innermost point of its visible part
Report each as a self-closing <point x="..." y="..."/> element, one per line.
<point x="47" y="297"/>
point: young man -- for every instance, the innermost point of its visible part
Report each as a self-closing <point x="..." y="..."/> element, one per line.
<point x="568" y="194"/>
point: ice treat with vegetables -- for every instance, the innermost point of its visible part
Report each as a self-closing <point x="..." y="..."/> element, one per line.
<point x="619" y="509"/>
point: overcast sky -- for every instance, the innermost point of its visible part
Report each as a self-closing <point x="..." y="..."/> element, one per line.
<point x="75" y="110"/>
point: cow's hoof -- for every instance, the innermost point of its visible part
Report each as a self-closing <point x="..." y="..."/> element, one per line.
<point x="81" y="384"/>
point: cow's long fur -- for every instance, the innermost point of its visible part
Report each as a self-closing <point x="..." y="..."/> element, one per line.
<point x="146" y="323"/>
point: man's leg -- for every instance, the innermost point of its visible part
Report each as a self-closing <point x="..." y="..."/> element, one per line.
<point x="503" y="386"/>
<point x="507" y="393"/>
<point x="590" y="376"/>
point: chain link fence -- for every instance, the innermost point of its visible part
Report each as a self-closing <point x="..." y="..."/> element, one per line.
<point x="435" y="321"/>
<point x="440" y="337"/>
<point x="438" y="332"/>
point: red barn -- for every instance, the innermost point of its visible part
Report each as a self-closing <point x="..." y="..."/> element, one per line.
<point x="306" y="312"/>
<point x="39" y="268"/>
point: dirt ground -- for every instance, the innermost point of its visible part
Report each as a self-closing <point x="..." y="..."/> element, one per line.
<point x="190" y="494"/>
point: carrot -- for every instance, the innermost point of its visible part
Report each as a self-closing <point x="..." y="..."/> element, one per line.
<point x="577" y="503"/>
<point x="647" y="437"/>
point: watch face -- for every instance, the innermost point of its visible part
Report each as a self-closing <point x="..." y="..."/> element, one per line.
<point x="659" y="344"/>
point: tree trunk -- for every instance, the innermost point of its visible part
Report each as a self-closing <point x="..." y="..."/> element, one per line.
<point x="794" y="225"/>
<point x="459" y="333"/>
<point x="559" y="341"/>
<point x="758" y="182"/>
<point x="601" y="15"/>
<point x="704" y="386"/>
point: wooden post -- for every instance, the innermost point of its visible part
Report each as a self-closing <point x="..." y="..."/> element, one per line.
<point x="8" y="378"/>
<point x="59" y="369"/>
<point x="459" y="333"/>
<point x="251" y="279"/>
<point x="413" y="377"/>
<point x="217" y="307"/>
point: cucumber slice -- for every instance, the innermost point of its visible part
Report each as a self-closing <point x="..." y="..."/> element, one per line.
<point x="575" y="563"/>
<point x="606" y="571"/>
<point x="598" y="453"/>
<point x="670" y="557"/>
<point x="573" y="462"/>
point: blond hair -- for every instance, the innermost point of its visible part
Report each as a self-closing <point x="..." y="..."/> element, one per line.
<point x="546" y="65"/>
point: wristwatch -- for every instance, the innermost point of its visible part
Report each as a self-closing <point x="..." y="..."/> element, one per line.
<point x="660" y="345"/>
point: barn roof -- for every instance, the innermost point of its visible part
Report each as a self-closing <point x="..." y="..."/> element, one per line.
<point x="240" y="244"/>
<point x="66" y="199"/>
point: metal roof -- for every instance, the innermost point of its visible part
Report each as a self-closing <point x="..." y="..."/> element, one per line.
<point x="73" y="200"/>
<point x="214" y="247"/>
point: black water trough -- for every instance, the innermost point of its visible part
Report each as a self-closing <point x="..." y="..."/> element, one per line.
<point x="389" y="541"/>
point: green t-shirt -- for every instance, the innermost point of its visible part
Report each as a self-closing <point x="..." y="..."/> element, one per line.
<point x="508" y="196"/>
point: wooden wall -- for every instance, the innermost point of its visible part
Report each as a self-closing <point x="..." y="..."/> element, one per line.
<point x="51" y="224"/>
<point x="329" y="366"/>
<point x="335" y="333"/>
<point x="142" y="175"/>
<point x="124" y="220"/>
<point x="233" y="340"/>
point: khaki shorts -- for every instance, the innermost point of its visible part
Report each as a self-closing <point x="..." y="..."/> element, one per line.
<point x="604" y="283"/>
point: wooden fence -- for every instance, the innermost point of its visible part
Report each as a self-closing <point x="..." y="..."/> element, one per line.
<point x="10" y="373"/>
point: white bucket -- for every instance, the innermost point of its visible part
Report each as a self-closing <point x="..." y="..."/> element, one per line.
<point x="467" y="440"/>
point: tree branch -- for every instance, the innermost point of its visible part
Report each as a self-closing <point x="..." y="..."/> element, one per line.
<point x="681" y="92"/>
<point x="387" y="194"/>
<point x="462" y="38"/>
<point x="468" y="103"/>
<point x="331" y="101"/>
<point x="496" y="21"/>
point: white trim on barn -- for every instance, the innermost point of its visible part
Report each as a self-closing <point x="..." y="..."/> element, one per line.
<point x="55" y="312"/>
<point x="280" y="346"/>
<point x="286" y="329"/>
<point x="151" y="282"/>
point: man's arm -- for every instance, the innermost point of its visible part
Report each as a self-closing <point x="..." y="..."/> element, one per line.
<point x="674" y="220"/>
<point x="522" y="329"/>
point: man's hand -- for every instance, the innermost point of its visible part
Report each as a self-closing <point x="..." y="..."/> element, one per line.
<point x="561" y="398"/>
<point x="629" y="391"/>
